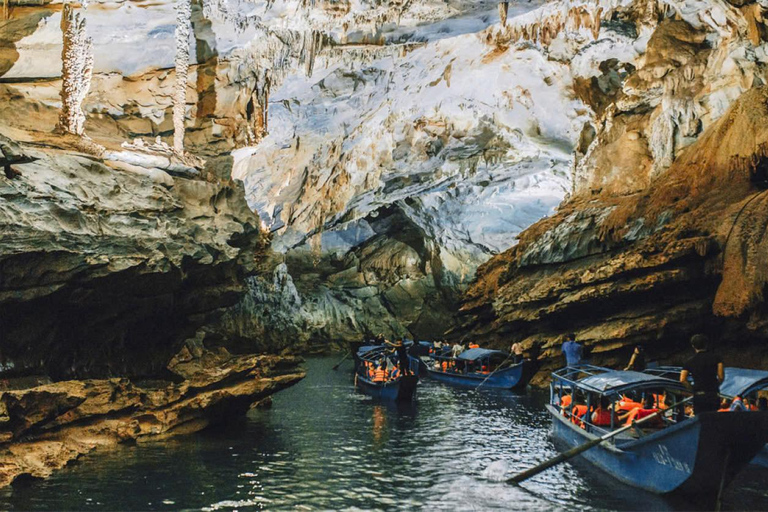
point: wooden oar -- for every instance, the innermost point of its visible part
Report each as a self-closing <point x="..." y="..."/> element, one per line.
<point x="528" y="473"/>
<point x="494" y="371"/>
<point x="342" y="360"/>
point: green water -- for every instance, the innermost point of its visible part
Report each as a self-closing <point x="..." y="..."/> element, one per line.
<point x="323" y="446"/>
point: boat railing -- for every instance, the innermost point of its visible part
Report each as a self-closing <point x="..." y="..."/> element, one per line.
<point x="566" y="381"/>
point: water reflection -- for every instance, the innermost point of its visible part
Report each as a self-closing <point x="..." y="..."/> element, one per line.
<point x="325" y="446"/>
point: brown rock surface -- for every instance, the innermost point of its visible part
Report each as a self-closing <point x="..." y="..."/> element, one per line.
<point x="45" y="427"/>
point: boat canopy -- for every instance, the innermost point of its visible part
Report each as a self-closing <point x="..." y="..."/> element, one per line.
<point x="741" y="380"/>
<point x="474" y="354"/>
<point x="605" y="380"/>
<point x="368" y="348"/>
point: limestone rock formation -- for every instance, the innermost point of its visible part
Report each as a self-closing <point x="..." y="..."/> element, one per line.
<point x="45" y="427"/>
<point x="115" y="268"/>
<point x="683" y="255"/>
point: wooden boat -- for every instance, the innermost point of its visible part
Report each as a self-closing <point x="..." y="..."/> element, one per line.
<point x="477" y="367"/>
<point x="744" y="382"/>
<point x="689" y="455"/>
<point x="401" y="389"/>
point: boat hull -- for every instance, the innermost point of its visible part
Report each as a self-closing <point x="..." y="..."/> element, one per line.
<point x="401" y="390"/>
<point x="761" y="459"/>
<point x="687" y="458"/>
<point x="514" y="377"/>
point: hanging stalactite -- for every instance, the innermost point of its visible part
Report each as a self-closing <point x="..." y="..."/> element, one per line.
<point x="76" y="70"/>
<point x="183" y="29"/>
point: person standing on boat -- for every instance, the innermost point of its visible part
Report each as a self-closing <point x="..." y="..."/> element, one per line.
<point x="402" y="356"/>
<point x="707" y="372"/>
<point x="637" y="361"/>
<point x="572" y="350"/>
<point x="517" y="353"/>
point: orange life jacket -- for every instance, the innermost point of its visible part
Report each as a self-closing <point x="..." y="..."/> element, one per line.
<point x="625" y="404"/>
<point x="565" y="400"/>
<point x="576" y="414"/>
<point x="380" y="375"/>
<point x="445" y="366"/>
<point x="474" y="345"/>
<point x="640" y="413"/>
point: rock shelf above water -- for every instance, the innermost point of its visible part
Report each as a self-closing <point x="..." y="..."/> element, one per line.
<point x="45" y="427"/>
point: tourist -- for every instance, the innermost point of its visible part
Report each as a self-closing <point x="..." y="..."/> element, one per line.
<point x="639" y="413"/>
<point x="707" y="372"/>
<point x="517" y="353"/>
<point x="603" y="415"/>
<point x="457" y="349"/>
<point x="737" y="405"/>
<point x="573" y="350"/>
<point x="637" y="361"/>
<point x="381" y="372"/>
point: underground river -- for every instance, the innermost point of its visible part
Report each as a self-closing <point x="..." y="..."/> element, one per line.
<point x="323" y="446"/>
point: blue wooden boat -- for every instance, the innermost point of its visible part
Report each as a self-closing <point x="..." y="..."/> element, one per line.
<point x="688" y="455"/>
<point x="477" y="367"/>
<point x="401" y="389"/>
<point x="744" y="382"/>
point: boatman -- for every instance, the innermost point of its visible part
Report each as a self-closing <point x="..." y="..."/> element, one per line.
<point x="402" y="356"/>
<point x="707" y="372"/>
<point x="517" y="353"/>
<point x="572" y="350"/>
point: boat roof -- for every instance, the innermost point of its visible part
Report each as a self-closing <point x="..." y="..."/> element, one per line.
<point x="473" y="354"/>
<point x="741" y="380"/>
<point x="604" y="380"/>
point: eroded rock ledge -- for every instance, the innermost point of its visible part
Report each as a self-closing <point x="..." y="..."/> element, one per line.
<point x="43" y="428"/>
<point x="105" y="272"/>
<point x="685" y="255"/>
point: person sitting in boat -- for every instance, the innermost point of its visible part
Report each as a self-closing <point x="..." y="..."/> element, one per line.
<point x="737" y="405"/>
<point x="572" y="350"/>
<point x="380" y="375"/>
<point x="603" y="415"/>
<point x="708" y="373"/>
<point x="395" y="373"/>
<point x="565" y="402"/>
<point x="578" y="412"/>
<point x="641" y="412"/>
<point x="626" y="405"/>
<point x="473" y="344"/>
<point x="637" y="361"/>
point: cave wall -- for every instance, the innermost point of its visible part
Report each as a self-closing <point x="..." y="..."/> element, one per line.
<point x="661" y="235"/>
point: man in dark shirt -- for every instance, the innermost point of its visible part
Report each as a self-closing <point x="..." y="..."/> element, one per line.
<point x="707" y="372"/>
<point x="402" y="356"/>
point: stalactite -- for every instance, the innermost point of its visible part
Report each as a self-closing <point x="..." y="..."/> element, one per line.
<point x="546" y="23"/>
<point x="503" y="11"/>
<point x="183" y="28"/>
<point x="76" y="70"/>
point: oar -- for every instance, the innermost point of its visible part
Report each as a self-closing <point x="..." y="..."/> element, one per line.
<point x="342" y="360"/>
<point x="528" y="473"/>
<point x="494" y="371"/>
